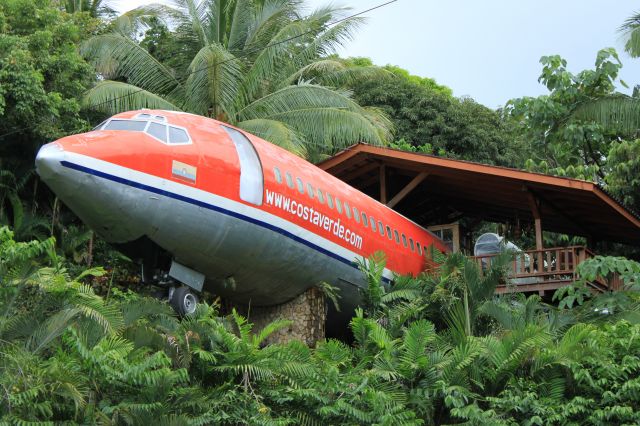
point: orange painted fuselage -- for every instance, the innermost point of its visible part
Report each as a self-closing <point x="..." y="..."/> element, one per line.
<point x="300" y="206"/>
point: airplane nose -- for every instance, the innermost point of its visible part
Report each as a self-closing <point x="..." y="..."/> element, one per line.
<point x="48" y="160"/>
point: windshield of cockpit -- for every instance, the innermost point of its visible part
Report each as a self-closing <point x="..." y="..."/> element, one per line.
<point x="154" y="125"/>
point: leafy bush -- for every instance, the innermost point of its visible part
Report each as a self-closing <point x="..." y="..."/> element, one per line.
<point x="433" y="349"/>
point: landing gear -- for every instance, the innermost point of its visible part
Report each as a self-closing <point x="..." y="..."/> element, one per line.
<point x="183" y="300"/>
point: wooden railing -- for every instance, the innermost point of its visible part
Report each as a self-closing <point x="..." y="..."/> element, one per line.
<point x="546" y="269"/>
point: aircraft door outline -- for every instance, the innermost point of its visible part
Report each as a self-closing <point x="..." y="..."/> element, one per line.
<point x="251" y="175"/>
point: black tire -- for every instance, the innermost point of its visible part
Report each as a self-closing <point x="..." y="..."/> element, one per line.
<point x="184" y="301"/>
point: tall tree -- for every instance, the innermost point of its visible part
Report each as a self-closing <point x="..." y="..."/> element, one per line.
<point x="427" y="117"/>
<point x="42" y="77"/>
<point x="237" y="61"/>
<point x="560" y="139"/>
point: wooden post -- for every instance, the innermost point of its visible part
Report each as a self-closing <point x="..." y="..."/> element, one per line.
<point x="383" y="184"/>
<point x="535" y="212"/>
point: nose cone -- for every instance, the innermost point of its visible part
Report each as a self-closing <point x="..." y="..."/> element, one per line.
<point x="48" y="161"/>
<point x="78" y="181"/>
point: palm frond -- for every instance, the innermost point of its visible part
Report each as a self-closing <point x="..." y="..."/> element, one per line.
<point x="113" y="97"/>
<point x="270" y="16"/>
<point x="618" y="112"/>
<point x="334" y="73"/>
<point x="277" y="133"/>
<point x="303" y="96"/>
<point x="331" y="128"/>
<point x="116" y="56"/>
<point x="195" y="16"/>
<point x="269" y="59"/>
<point x="241" y="22"/>
<point x="269" y="329"/>
<point x="212" y="85"/>
<point x="322" y="45"/>
<point x="630" y="30"/>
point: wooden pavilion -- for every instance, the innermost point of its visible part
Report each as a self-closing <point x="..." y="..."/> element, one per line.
<point x="436" y="192"/>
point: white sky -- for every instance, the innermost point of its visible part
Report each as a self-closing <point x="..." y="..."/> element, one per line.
<point x="489" y="49"/>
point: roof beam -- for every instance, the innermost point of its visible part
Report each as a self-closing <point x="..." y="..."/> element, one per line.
<point x="358" y="172"/>
<point x="407" y="189"/>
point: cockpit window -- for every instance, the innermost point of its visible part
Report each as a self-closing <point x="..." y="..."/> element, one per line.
<point x="158" y="131"/>
<point x="152" y="125"/>
<point x="147" y="116"/>
<point x="99" y="126"/>
<point x="131" y="125"/>
<point x="177" y="135"/>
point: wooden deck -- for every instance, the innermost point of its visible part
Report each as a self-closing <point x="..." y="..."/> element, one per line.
<point x="546" y="270"/>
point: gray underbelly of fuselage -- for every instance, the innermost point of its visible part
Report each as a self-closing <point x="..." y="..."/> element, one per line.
<point x="244" y="258"/>
<point x="247" y="260"/>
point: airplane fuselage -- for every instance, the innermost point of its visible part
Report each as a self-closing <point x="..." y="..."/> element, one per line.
<point x="260" y="223"/>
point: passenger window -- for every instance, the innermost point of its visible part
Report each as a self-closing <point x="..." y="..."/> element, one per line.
<point x="300" y="185"/>
<point x="364" y="219"/>
<point x="320" y="196"/>
<point x="395" y="233"/>
<point x="251" y="177"/>
<point x="338" y="205"/>
<point x="131" y="125"/>
<point x="310" y="190"/>
<point x="356" y="214"/>
<point x="329" y="200"/>
<point x="373" y="223"/>
<point x="289" y="180"/>
<point x="419" y="248"/>
<point x="180" y="136"/>
<point x="347" y="210"/>
<point x="276" y="172"/>
<point x="404" y="240"/>
<point x="381" y="228"/>
<point x="411" y="244"/>
<point x="158" y="131"/>
<point x="389" y="232"/>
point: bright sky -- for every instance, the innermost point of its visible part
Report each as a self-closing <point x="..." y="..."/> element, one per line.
<point x="489" y="50"/>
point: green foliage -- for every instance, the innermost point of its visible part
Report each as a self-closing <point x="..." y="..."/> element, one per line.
<point x="552" y="130"/>
<point x="42" y="75"/>
<point x="623" y="179"/>
<point x="426" y="116"/>
<point x="432" y="349"/>
<point x="608" y="266"/>
<point x="243" y="62"/>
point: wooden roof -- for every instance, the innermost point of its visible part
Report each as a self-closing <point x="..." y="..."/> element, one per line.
<point x="454" y="189"/>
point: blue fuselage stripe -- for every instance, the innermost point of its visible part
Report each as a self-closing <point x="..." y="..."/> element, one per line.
<point x="208" y="206"/>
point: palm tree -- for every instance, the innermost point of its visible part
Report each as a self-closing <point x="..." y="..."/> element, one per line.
<point x="618" y="111"/>
<point x="249" y="63"/>
<point x="630" y="30"/>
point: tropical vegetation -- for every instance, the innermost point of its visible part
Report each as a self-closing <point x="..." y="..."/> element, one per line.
<point x="242" y="62"/>
<point x="436" y="349"/>
<point x="81" y="343"/>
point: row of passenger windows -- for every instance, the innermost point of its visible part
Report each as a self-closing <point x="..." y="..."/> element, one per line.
<point x="351" y="212"/>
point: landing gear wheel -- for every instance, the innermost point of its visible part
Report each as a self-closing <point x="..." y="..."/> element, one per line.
<point x="184" y="301"/>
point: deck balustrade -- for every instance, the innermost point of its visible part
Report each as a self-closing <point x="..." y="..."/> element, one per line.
<point x="545" y="269"/>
